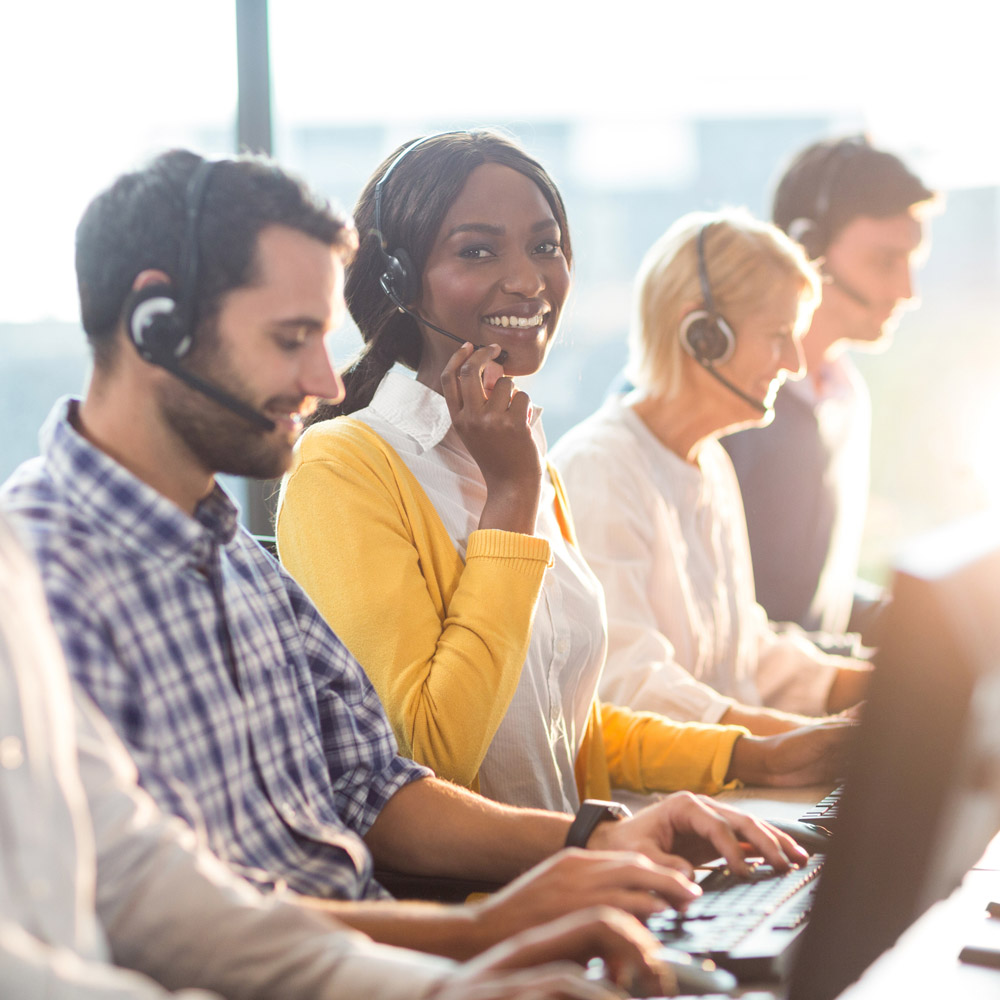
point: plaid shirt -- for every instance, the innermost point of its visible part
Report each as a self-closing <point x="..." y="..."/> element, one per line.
<point x="245" y="714"/>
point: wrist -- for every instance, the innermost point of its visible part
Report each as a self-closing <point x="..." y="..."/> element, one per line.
<point x="747" y="762"/>
<point x="764" y="721"/>
<point x="848" y="688"/>
<point x="590" y="817"/>
<point x="485" y="925"/>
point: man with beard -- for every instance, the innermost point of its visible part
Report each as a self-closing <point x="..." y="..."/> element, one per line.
<point x="858" y="212"/>
<point x="207" y="292"/>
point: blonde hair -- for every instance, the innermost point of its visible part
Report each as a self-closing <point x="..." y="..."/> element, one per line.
<point x="746" y="260"/>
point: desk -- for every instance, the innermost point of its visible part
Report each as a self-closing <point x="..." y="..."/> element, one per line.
<point x="924" y="961"/>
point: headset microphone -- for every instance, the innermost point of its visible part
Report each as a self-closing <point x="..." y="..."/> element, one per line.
<point x="848" y="290"/>
<point x="746" y="397"/>
<point x="159" y="319"/>
<point x="219" y="395"/>
<point x="387" y="288"/>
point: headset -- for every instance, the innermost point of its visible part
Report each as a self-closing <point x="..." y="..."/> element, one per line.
<point x="160" y="320"/>
<point x="811" y="231"/>
<point x="399" y="279"/>
<point x="704" y="333"/>
<point x="707" y="336"/>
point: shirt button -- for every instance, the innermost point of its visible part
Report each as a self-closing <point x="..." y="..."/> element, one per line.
<point x="11" y="753"/>
<point x="562" y="647"/>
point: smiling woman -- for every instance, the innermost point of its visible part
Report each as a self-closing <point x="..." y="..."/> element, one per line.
<point x="432" y="533"/>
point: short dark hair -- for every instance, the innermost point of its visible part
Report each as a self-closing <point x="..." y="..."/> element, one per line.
<point x="417" y="197"/>
<point x="834" y="181"/>
<point x="139" y="223"/>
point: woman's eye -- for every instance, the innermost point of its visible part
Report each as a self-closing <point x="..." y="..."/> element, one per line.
<point x="476" y="253"/>
<point x="549" y="247"/>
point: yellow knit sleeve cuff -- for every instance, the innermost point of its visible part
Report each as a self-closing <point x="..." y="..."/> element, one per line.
<point x="720" y="765"/>
<point x="651" y="753"/>
<point x="527" y="550"/>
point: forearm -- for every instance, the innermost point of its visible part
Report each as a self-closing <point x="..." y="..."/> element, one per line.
<point x="850" y="686"/>
<point x="763" y="721"/>
<point x="512" y="506"/>
<point x="805" y="756"/>
<point x="457" y="932"/>
<point x="431" y="827"/>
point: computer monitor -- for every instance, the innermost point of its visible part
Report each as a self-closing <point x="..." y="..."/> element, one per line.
<point x="922" y="790"/>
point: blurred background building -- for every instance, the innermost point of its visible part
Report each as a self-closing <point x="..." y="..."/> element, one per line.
<point x="642" y="111"/>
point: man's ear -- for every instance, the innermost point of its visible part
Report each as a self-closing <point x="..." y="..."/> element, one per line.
<point x="149" y="277"/>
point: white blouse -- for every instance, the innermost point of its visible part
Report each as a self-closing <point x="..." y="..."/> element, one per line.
<point x="531" y="759"/>
<point x="667" y="539"/>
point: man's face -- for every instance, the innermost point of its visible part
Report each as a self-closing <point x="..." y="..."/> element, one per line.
<point x="869" y="270"/>
<point x="267" y="348"/>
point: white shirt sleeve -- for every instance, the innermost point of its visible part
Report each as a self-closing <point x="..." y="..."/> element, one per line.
<point x="33" y="970"/>
<point x="794" y="674"/>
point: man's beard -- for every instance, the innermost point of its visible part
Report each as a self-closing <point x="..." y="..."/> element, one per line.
<point x="219" y="439"/>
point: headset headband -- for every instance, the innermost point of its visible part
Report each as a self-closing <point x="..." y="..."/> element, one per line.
<point x="381" y="182"/>
<point x="843" y="151"/>
<point x="187" y="269"/>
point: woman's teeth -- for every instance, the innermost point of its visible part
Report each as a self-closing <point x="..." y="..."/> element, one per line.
<point x="515" y="320"/>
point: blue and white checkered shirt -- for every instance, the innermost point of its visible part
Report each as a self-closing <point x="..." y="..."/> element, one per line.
<point x="245" y="714"/>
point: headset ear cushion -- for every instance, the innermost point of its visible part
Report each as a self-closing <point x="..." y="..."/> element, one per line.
<point x="402" y="277"/>
<point x="808" y="235"/>
<point x="708" y="339"/>
<point x="153" y="324"/>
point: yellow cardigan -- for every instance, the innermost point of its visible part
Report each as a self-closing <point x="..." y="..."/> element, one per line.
<point x="443" y="640"/>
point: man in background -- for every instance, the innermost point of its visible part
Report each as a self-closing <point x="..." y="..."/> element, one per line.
<point x="858" y="212"/>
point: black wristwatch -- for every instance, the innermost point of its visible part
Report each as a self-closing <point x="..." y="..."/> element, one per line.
<point x="592" y="812"/>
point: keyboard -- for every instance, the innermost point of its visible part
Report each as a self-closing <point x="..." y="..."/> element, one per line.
<point x="824" y="813"/>
<point x="744" y="924"/>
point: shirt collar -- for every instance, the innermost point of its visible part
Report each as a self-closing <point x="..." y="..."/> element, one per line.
<point x="107" y="494"/>
<point x="413" y="408"/>
<point x="422" y="414"/>
<point x="837" y="378"/>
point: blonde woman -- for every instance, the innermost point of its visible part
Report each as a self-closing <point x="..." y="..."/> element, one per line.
<point x="721" y="303"/>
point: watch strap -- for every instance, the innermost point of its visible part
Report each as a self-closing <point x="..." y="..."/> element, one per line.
<point x="590" y="813"/>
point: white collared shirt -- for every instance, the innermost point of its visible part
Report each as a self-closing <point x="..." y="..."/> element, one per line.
<point x="531" y="759"/>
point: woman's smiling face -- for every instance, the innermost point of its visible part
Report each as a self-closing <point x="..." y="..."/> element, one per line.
<point x="496" y="273"/>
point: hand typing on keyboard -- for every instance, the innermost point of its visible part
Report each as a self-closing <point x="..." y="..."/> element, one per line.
<point x="685" y="828"/>
<point x="547" y="962"/>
